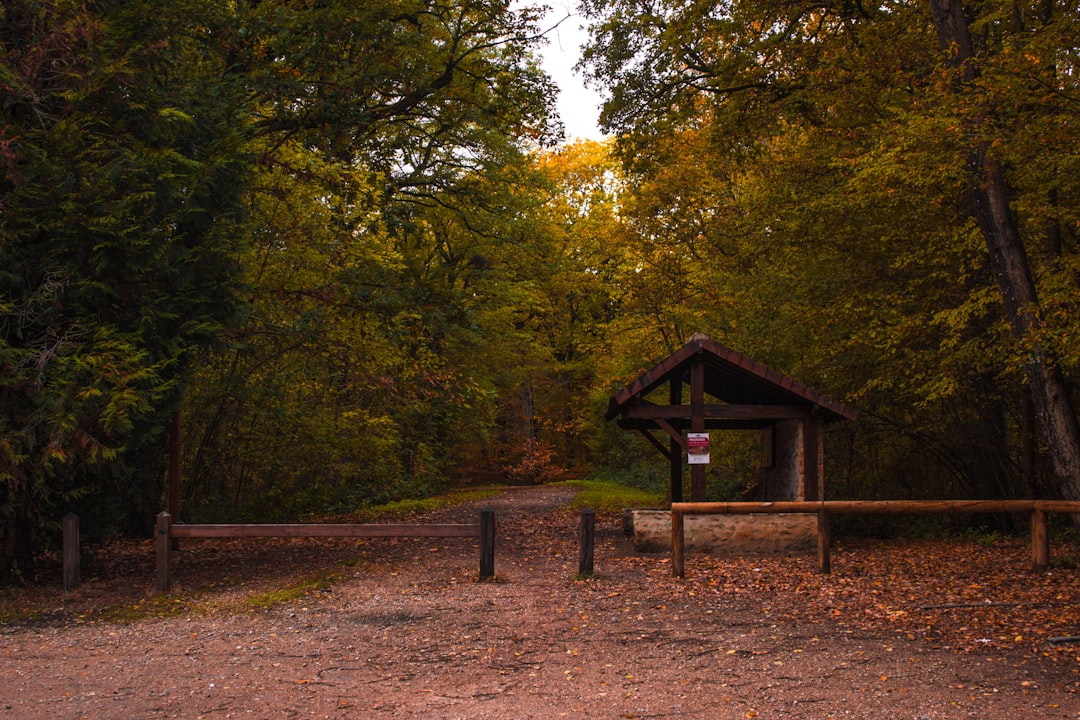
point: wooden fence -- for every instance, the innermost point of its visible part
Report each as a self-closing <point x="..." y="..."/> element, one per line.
<point x="1039" y="509"/>
<point x="166" y="531"/>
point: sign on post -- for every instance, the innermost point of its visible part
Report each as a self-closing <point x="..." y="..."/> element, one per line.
<point x="697" y="448"/>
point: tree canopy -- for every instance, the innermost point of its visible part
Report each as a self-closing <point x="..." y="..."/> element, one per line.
<point x="340" y="242"/>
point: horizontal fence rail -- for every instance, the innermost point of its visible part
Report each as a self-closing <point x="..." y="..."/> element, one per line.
<point x="166" y="532"/>
<point x="1039" y="509"/>
<point x="322" y="530"/>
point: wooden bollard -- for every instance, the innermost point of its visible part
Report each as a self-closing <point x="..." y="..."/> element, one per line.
<point x="1040" y="539"/>
<point x="163" y="545"/>
<point x="487" y="544"/>
<point x="72" y="553"/>
<point x="824" y="543"/>
<point x="678" y="567"/>
<point x="588" y="536"/>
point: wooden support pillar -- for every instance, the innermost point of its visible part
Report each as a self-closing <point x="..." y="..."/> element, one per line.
<point x="588" y="537"/>
<point x="487" y="544"/>
<point x="163" y="545"/>
<point x="72" y="552"/>
<point x="811" y="480"/>
<point x="675" y="459"/>
<point x="678" y="568"/>
<point x="697" y="423"/>
<point x="1040" y="539"/>
<point x="824" y="543"/>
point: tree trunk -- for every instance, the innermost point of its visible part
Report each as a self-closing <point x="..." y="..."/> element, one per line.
<point x="528" y="409"/>
<point x="18" y="535"/>
<point x="989" y="196"/>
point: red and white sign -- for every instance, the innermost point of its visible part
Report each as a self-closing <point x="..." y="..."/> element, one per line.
<point x="697" y="448"/>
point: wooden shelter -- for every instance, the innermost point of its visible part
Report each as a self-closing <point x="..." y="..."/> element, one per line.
<point x="730" y="391"/>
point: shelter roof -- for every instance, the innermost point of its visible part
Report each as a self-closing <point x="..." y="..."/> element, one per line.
<point x="732" y="378"/>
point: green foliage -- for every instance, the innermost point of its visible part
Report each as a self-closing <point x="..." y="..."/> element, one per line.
<point x="426" y="504"/>
<point x="201" y="207"/>
<point x="610" y="496"/>
<point x="796" y="186"/>
<point x="295" y="592"/>
<point x="122" y="207"/>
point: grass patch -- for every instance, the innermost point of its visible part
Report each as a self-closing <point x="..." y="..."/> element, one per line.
<point x="157" y="606"/>
<point x="607" y="496"/>
<point x="292" y="593"/>
<point x="454" y="497"/>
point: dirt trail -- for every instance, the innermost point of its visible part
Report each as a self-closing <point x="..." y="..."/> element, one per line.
<point x="407" y="632"/>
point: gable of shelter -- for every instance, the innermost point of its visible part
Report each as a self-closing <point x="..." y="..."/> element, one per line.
<point x="732" y="378"/>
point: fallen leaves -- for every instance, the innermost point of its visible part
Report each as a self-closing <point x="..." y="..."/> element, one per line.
<point x="952" y="593"/>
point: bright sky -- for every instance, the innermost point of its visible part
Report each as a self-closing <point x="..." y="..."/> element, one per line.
<point x="579" y="107"/>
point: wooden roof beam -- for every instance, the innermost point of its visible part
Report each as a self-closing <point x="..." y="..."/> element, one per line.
<point x="648" y="411"/>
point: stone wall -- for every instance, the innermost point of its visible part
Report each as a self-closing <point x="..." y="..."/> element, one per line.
<point x="782" y="477"/>
<point x="764" y="534"/>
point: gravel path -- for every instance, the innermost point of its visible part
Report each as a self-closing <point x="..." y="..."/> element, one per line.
<point x="406" y="631"/>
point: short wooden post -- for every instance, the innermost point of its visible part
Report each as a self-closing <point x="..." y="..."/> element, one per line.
<point x="588" y="535"/>
<point x="71" y="551"/>
<point x="1040" y="539"/>
<point x="164" y="547"/>
<point x="678" y="568"/>
<point x="487" y="544"/>
<point x="824" y="542"/>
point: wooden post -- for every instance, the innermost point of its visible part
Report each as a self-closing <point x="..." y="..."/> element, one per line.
<point x="71" y="551"/>
<point x="824" y="542"/>
<point x="1040" y="539"/>
<point x="697" y="423"/>
<point x="678" y="568"/>
<point x="487" y="544"/>
<point x="588" y="535"/>
<point x="811" y="479"/>
<point x="675" y="459"/>
<point x="163" y="546"/>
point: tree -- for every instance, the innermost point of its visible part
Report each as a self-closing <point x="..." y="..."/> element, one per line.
<point x="122" y="207"/>
<point x="382" y="196"/>
<point x="141" y="148"/>
<point x="991" y="200"/>
<point x="835" y="196"/>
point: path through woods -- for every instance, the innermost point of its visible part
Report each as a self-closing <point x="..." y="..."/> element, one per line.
<point x="401" y="629"/>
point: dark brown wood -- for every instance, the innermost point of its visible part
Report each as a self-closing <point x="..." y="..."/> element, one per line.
<point x="588" y="537"/>
<point x="324" y="530"/>
<point x="675" y="435"/>
<point x="649" y="411"/>
<point x="811" y="477"/>
<point x="657" y="444"/>
<point x="1063" y="506"/>
<point x="876" y="507"/>
<point x="1038" y="508"/>
<point x="163" y="547"/>
<point x="72" y="552"/>
<point x="734" y="370"/>
<point x="697" y="423"/>
<point x="824" y="543"/>
<point x="1040" y="539"/>
<point x="649" y="380"/>
<point x="675" y="445"/>
<point x="166" y="532"/>
<point x="487" y="544"/>
<point x="678" y="565"/>
<point x="681" y="425"/>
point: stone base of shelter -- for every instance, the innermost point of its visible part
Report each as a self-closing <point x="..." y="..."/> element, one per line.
<point x="764" y="534"/>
